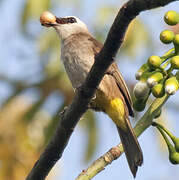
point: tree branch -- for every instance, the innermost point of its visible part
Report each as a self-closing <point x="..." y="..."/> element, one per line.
<point x="115" y="152"/>
<point x="57" y="144"/>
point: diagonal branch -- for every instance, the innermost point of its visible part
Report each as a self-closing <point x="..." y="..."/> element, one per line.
<point x="70" y="118"/>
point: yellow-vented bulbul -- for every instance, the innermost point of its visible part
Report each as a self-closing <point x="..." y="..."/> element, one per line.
<point x="78" y="50"/>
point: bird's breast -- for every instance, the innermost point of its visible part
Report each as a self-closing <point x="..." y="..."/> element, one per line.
<point x="77" y="63"/>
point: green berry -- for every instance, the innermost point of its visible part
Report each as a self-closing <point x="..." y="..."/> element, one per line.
<point x="158" y="90"/>
<point x="154" y="61"/>
<point x="177" y="145"/>
<point x="174" y="157"/>
<point x="173" y="154"/>
<point x="141" y="90"/>
<point x="167" y="36"/>
<point x="171" y="18"/>
<point x="177" y="75"/>
<point x="145" y="76"/>
<point x="154" y="79"/>
<point x="173" y="138"/>
<point x="173" y="151"/>
<point x="175" y="62"/>
<point x="176" y="142"/>
<point x="171" y="85"/>
<point x="141" y="70"/>
<point x="176" y="40"/>
<point x="139" y="104"/>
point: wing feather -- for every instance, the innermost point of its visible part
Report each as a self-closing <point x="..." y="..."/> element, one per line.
<point x="115" y="73"/>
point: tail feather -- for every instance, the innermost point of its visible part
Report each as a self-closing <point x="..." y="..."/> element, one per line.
<point x="131" y="148"/>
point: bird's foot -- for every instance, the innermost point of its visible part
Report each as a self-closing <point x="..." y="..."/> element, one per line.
<point x="63" y="111"/>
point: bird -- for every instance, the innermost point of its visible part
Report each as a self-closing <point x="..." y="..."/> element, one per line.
<point x="78" y="51"/>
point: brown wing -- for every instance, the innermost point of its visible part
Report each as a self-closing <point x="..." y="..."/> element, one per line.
<point x="114" y="72"/>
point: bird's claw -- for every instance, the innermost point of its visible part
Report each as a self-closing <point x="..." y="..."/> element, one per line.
<point x="63" y="111"/>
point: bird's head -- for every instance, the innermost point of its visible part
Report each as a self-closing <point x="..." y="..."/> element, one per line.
<point x="65" y="26"/>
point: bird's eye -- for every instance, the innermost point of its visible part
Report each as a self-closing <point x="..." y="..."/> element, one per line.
<point x="71" y="20"/>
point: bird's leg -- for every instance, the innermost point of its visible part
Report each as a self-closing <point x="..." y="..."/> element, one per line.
<point x="63" y="111"/>
<point x="90" y="106"/>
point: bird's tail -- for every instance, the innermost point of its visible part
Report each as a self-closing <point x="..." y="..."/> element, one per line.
<point x="131" y="148"/>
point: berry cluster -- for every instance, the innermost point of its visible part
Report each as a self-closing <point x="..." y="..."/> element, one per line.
<point x="159" y="75"/>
